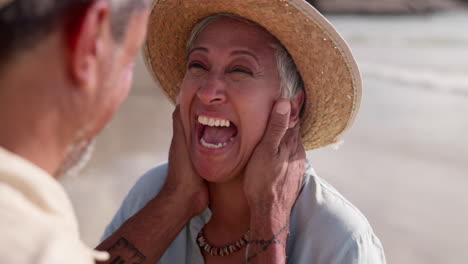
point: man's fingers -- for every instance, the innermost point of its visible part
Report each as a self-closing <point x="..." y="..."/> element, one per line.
<point x="278" y="124"/>
<point x="297" y="161"/>
<point x="297" y="154"/>
<point x="177" y="129"/>
<point x="291" y="138"/>
<point x="300" y="153"/>
<point x="296" y="147"/>
<point x="176" y="120"/>
<point x="288" y="144"/>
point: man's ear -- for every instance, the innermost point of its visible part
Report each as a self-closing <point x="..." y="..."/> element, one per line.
<point x="86" y="39"/>
<point x="296" y="105"/>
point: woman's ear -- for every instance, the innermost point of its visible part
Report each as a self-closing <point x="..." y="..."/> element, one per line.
<point x="296" y="105"/>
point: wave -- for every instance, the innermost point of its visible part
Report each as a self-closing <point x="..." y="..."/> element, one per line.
<point x="454" y="83"/>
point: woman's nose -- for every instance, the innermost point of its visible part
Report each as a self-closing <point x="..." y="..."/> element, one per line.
<point x="212" y="90"/>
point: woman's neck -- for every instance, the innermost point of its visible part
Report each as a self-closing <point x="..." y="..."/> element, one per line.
<point x="230" y="212"/>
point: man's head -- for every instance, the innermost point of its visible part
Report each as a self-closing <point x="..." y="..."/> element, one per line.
<point x="23" y="23"/>
<point x="65" y="67"/>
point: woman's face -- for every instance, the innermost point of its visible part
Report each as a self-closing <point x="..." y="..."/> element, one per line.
<point x="228" y="91"/>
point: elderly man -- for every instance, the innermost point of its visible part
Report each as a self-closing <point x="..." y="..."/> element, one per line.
<point x="65" y="67"/>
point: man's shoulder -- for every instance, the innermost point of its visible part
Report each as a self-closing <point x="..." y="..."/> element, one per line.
<point x="20" y="204"/>
<point x="31" y="234"/>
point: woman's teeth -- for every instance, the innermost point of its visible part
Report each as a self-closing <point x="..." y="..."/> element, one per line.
<point x="208" y="121"/>
<point x="212" y="146"/>
<point x="212" y="122"/>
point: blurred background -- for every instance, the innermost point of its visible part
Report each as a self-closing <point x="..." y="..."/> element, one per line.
<point x="404" y="163"/>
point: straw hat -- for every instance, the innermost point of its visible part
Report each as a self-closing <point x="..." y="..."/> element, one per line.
<point x="328" y="69"/>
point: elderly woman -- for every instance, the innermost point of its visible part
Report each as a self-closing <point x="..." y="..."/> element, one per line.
<point x="228" y="62"/>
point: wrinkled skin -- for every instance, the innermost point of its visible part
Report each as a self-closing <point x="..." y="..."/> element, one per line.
<point x="232" y="74"/>
<point x="232" y="77"/>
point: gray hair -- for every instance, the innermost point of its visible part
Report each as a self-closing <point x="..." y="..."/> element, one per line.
<point x="24" y="23"/>
<point x="291" y="81"/>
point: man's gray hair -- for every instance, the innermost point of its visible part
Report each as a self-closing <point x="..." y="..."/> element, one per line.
<point x="24" y="23"/>
<point x="291" y="81"/>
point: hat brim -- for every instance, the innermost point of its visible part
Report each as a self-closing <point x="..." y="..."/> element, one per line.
<point x="331" y="77"/>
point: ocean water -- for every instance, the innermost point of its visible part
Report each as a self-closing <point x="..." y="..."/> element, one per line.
<point x="415" y="72"/>
<point x="426" y="52"/>
<point x="404" y="163"/>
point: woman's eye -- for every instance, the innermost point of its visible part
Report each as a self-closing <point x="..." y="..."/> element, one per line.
<point x="241" y="70"/>
<point x="197" y="69"/>
<point x="196" y="65"/>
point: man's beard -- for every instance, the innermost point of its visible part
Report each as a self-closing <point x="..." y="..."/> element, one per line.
<point x="76" y="159"/>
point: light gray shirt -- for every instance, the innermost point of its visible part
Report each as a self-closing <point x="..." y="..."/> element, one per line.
<point x="325" y="228"/>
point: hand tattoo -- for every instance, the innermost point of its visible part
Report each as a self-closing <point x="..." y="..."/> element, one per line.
<point x="126" y="253"/>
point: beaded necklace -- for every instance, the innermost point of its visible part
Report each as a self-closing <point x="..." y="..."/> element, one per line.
<point x="222" y="251"/>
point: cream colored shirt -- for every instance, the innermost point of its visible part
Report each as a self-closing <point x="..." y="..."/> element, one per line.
<point x="37" y="222"/>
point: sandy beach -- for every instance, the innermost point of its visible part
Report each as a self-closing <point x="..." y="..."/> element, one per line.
<point x="404" y="163"/>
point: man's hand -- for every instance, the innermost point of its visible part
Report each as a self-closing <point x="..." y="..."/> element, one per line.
<point x="182" y="178"/>
<point x="272" y="182"/>
<point x="274" y="174"/>
<point x="145" y="237"/>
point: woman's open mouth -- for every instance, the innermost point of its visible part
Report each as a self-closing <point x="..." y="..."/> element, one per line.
<point x="215" y="133"/>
